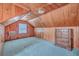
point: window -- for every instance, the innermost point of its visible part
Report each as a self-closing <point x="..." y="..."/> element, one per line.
<point x="22" y="28"/>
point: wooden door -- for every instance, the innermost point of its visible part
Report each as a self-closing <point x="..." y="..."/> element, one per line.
<point x="7" y="29"/>
<point x="64" y="38"/>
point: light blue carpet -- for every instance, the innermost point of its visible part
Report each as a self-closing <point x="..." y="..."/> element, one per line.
<point x="33" y="47"/>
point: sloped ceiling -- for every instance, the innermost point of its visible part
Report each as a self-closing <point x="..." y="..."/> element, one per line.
<point x="52" y="15"/>
<point x="35" y="7"/>
<point x="66" y="16"/>
<point x="9" y="10"/>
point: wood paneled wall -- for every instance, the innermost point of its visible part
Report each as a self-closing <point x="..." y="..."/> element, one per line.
<point x="45" y="33"/>
<point x="49" y="34"/>
<point x="15" y="27"/>
<point x="67" y="15"/>
<point x="10" y="10"/>
<point x="1" y="38"/>
<point x="1" y="32"/>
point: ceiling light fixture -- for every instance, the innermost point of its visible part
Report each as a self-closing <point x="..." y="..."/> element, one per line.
<point x="40" y="11"/>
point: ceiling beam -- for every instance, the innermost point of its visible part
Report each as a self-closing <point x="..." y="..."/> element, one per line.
<point x="22" y="6"/>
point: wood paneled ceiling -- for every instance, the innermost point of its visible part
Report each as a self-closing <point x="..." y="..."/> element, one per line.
<point x="37" y="7"/>
<point x="8" y="11"/>
<point x="63" y="17"/>
<point x="42" y="15"/>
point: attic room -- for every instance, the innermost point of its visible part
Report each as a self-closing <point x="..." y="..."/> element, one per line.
<point x="39" y="29"/>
